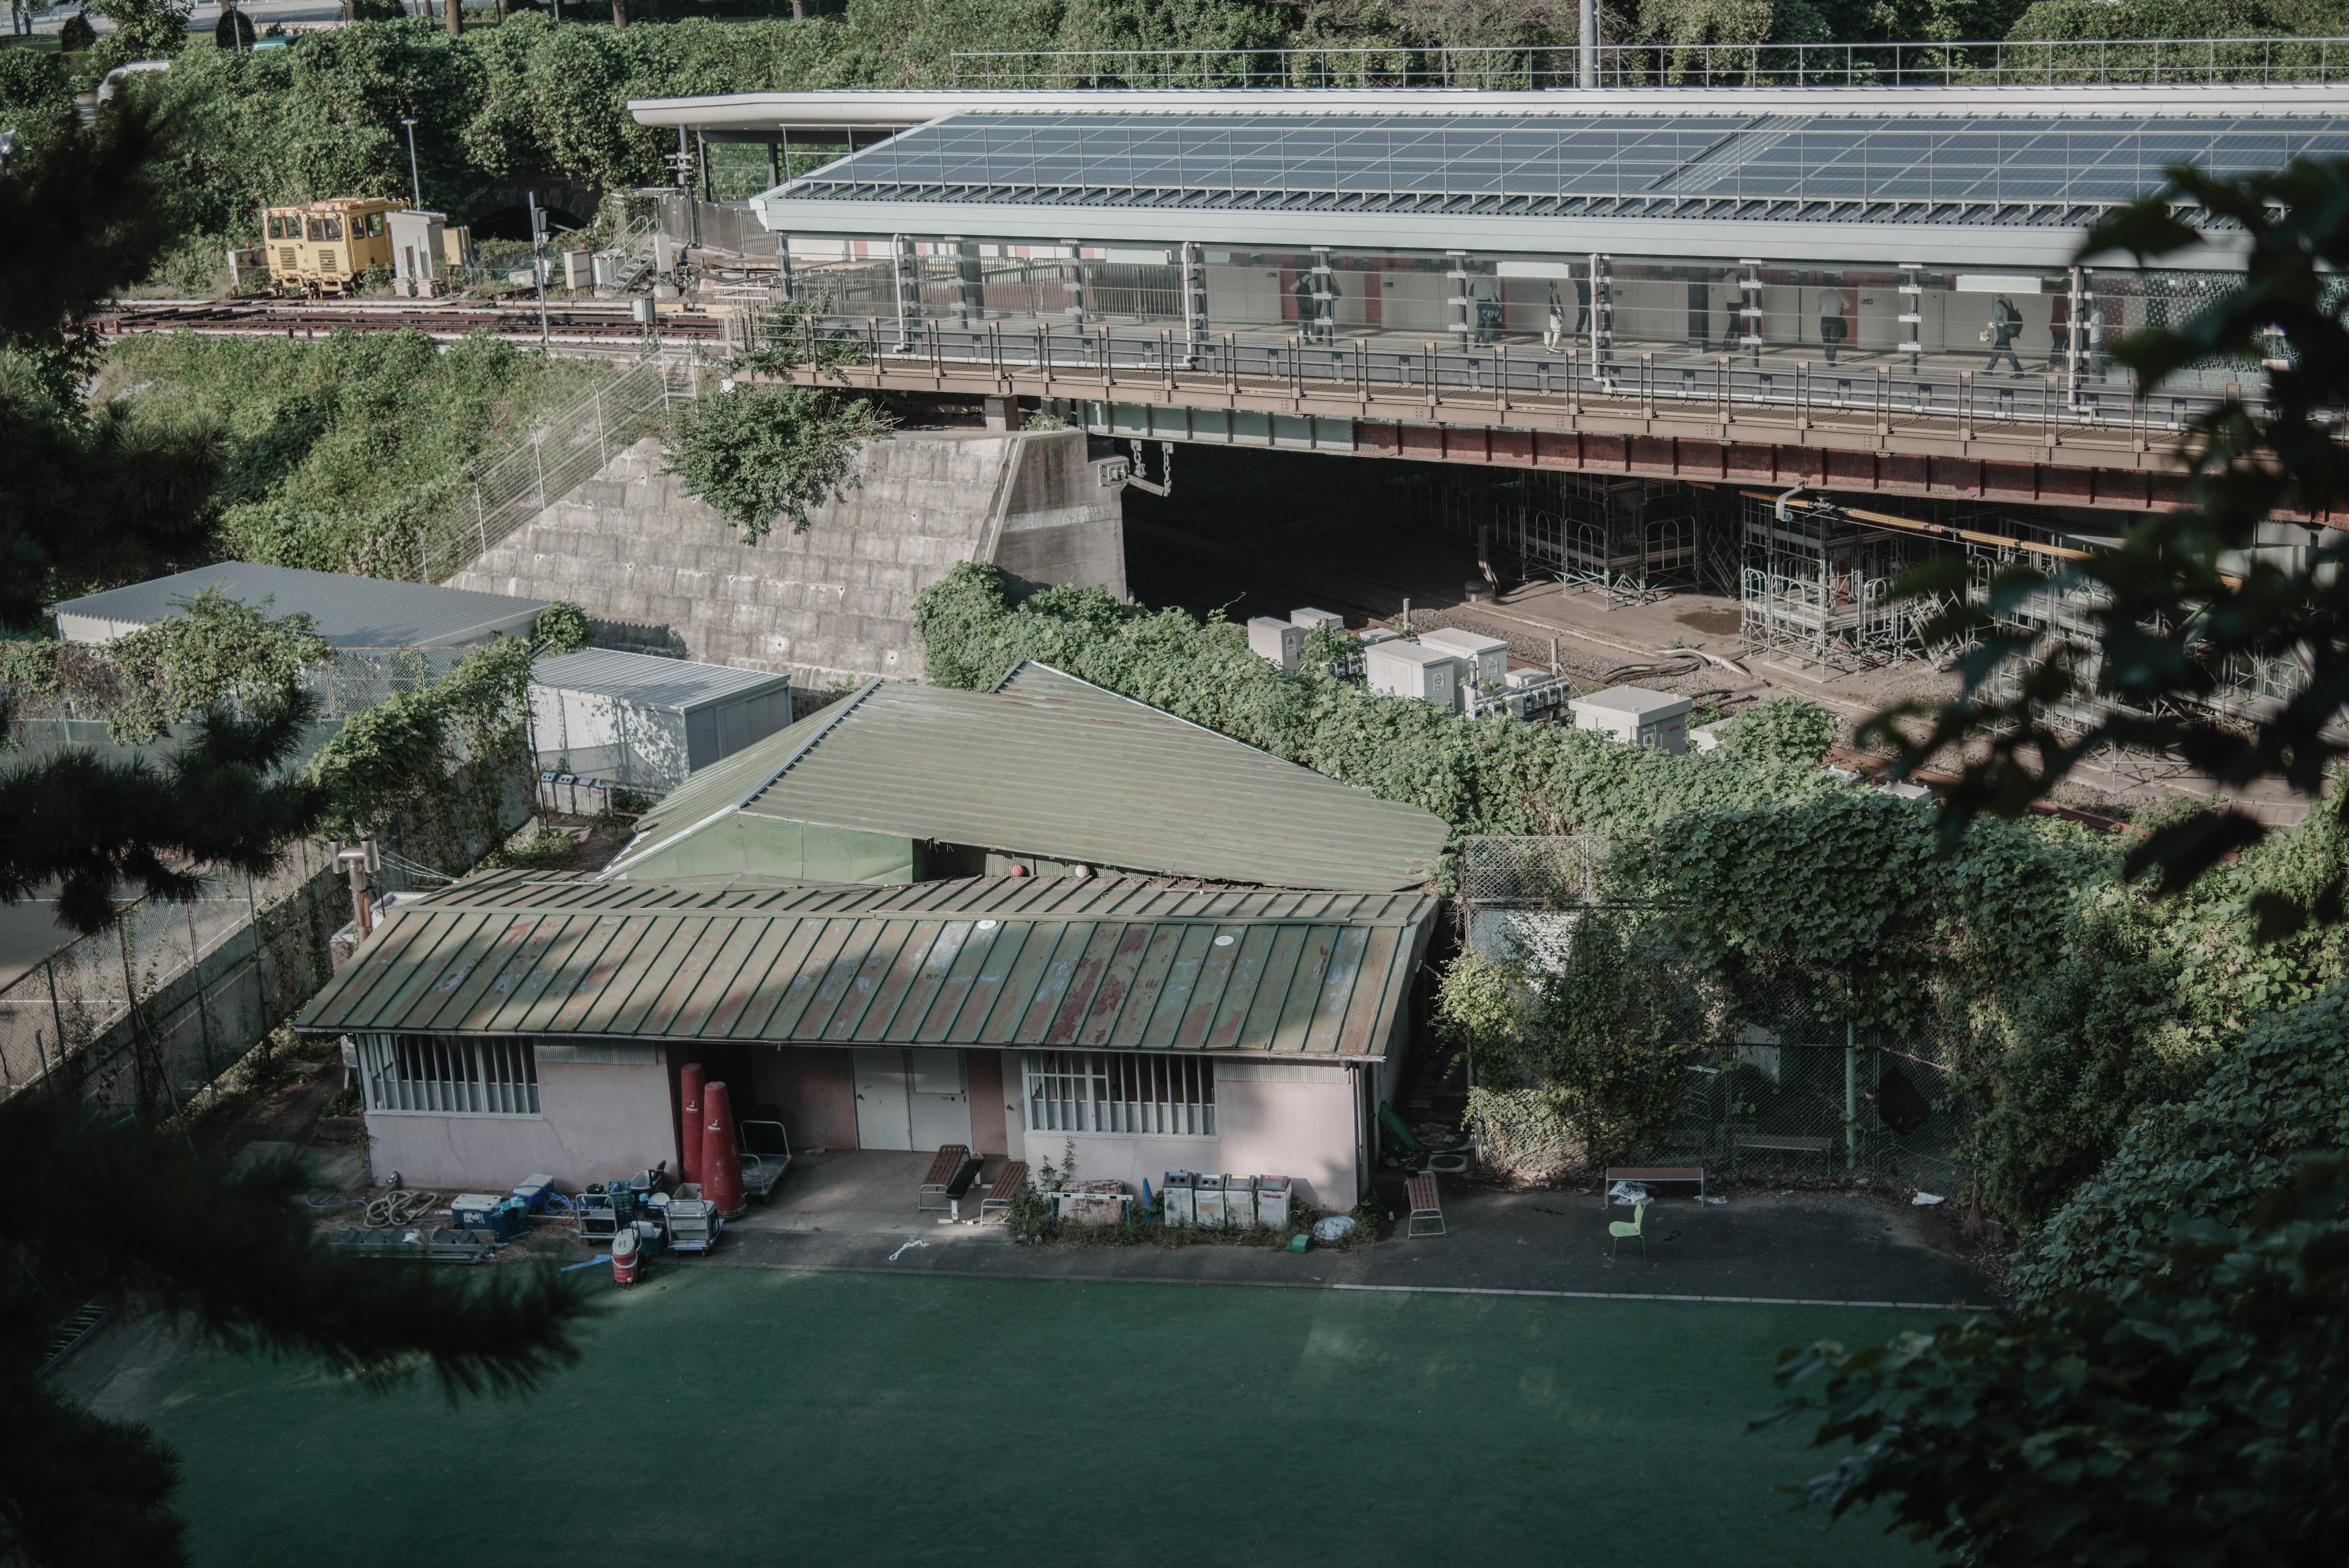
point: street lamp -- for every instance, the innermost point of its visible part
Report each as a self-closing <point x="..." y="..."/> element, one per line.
<point x="415" y="182"/>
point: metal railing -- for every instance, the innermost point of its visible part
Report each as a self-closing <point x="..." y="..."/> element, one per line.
<point x="2086" y="62"/>
<point x="1133" y="365"/>
<point x="546" y="462"/>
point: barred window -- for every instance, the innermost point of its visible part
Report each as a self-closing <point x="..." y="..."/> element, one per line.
<point x="450" y="1076"/>
<point x="1122" y="1093"/>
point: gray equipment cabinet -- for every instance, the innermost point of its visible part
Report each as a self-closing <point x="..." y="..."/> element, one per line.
<point x="644" y="721"/>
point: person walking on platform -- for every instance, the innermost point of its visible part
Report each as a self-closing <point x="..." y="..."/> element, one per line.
<point x="2005" y="326"/>
<point x="1833" y="323"/>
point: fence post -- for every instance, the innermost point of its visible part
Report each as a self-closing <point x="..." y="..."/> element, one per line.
<point x="1850" y="1098"/>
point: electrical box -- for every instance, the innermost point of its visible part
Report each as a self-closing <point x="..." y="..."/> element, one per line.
<point x="1278" y="641"/>
<point x="457" y="246"/>
<point x="417" y="238"/>
<point x="1315" y="620"/>
<point x="578" y="269"/>
<point x="1402" y="669"/>
<point x="1376" y="634"/>
<point x="608" y="269"/>
<point x="1487" y="658"/>
<point x="1635" y="715"/>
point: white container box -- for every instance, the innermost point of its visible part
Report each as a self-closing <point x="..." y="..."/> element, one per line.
<point x="1272" y="1201"/>
<point x="1239" y="1202"/>
<point x="1636" y="715"/>
<point x="1403" y="669"/>
<point x="1177" y="1199"/>
<point x="578" y="269"/>
<point x="1487" y="658"/>
<point x="1281" y="641"/>
<point x="1208" y="1200"/>
<point x="1314" y="619"/>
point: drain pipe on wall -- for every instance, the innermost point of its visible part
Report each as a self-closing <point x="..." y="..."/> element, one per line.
<point x="1799" y="487"/>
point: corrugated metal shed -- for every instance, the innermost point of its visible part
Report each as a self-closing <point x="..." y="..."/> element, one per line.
<point x="351" y="612"/>
<point x="648" y="679"/>
<point x="991" y="961"/>
<point x="1052" y="766"/>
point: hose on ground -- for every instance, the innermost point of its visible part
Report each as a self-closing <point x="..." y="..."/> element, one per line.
<point x="401" y="1207"/>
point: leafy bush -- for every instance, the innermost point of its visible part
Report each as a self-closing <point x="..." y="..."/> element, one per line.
<point x="328" y="452"/>
<point x="2190" y="1416"/>
<point x="35" y="99"/>
<point x="760" y="454"/>
<point x="2213" y="1156"/>
<point x="561" y="628"/>
<point x="1787" y="729"/>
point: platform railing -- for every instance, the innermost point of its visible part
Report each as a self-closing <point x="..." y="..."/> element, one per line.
<point x="1139" y="364"/>
<point x="2082" y="62"/>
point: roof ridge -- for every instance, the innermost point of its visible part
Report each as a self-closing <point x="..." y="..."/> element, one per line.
<point x="765" y="782"/>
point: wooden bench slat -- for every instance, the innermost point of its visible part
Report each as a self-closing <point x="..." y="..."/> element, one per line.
<point x="1423" y="1193"/>
<point x="1013" y="1177"/>
<point x="943" y="1169"/>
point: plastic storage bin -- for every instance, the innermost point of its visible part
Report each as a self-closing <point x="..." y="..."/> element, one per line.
<point x="1272" y="1201"/>
<point x="1178" y="1199"/>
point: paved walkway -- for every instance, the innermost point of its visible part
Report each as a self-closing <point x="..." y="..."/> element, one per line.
<point x="1801" y="1247"/>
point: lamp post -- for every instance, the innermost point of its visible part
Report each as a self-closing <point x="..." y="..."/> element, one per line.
<point x="415" y="182"/>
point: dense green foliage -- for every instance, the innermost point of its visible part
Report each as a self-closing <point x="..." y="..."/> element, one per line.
<point x="1787" y="729"/>
<point x="2282" y="1091"/>
<point x="2190" y="1416"/>
<point x="762" y="455"/>
<point x="216" y="653"/>
<point x="443" y="755"/>
<point x="330" y="452"/>
<point x="561" y="628"/>
<point x="1492" y="776"/>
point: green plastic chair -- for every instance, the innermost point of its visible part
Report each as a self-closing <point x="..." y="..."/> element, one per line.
<point x="1638" y="1227"/>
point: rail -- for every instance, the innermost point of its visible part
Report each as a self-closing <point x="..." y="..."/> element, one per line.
<point x="2084" y="62"/>
<point x="546" y="462"/>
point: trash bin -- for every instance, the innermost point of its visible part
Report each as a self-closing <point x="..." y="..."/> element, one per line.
<point x="1272" y="1201"/>
<point x="1177" y="1198"/>
<point x="1239" y="1202"/>
<point x="1208" y="1200"/>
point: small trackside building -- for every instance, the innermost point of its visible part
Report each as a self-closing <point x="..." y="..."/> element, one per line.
<point x="518" y="1023"/>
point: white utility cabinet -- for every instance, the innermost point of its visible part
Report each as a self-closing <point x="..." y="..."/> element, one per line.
<point x="1281" y="641"/>
<point x="1636" y="715"/>
<point x="1487" y="658"/>
<point x="1315" y="620"/>
<point x="1405" y="668"/>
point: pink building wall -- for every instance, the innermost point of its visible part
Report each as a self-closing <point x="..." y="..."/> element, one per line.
<point x="595" y="1121"/>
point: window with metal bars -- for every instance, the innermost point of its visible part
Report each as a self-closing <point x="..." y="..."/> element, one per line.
<point x="1123" y="1094"/>
<point x="446" y="1075"/>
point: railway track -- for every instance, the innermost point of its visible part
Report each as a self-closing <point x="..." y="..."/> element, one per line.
<point x="589" y="327"/>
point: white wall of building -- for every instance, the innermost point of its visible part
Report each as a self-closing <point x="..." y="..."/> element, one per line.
<point x="1272" y="1118"/>
<point x="595" y="1121"/>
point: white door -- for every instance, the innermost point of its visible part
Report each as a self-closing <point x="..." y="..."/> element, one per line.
<point x="881" y="1111"/>
<point x="939" y="1096"/>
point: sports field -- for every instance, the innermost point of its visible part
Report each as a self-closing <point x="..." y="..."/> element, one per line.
<point x="744" y="1416"/>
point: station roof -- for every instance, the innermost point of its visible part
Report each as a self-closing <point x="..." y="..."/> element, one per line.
<point x="1575" y="173"/>
<point x="1048" y="962"/>
<point x="1050" y="765"/>
<point x="650" y="680"/>
<point x="350" y="611"/>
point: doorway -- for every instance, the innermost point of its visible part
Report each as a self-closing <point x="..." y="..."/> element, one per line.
<point x="910" y="1098"/>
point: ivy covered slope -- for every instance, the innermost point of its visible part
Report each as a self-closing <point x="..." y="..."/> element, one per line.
<point x="329" y="451"/>
<point x="1494" y="775"/>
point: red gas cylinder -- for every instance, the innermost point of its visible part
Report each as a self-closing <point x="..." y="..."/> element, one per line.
<point x="689" y="1093"/>
<point x="721" y="1171"/>
<point x="628" y="1257"/>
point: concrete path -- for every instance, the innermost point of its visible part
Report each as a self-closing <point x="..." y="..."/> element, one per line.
<point x="1800" y="1246"/>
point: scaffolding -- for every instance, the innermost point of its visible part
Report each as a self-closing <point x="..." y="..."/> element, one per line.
<point x="1632" y="541"/>
<point x="1817" y="587"/>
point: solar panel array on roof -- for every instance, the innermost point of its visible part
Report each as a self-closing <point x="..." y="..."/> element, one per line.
<point x="1342" y="160"/>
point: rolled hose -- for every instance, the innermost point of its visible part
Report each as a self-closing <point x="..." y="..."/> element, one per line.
<point x="401" y="1207"/>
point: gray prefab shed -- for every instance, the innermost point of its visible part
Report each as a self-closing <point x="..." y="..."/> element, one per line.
<point x="644" y="721"/>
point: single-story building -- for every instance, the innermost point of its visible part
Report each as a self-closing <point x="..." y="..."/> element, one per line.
<point x="645" y="721"/>
<point x="519" y="1023"/>
<point x="349" y="611"/>
<point x="1046" y="774"/>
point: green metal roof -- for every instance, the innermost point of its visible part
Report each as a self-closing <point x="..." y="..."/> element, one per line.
<point x="1050" y="765"/>
<point x="1054" y="962"/>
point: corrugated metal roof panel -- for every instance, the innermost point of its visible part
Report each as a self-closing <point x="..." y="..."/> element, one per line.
<point x="1052" y="766"/>
<point x="992" y="960"/>
<point x="351" y="612"/>
<point x="650" y="680"/>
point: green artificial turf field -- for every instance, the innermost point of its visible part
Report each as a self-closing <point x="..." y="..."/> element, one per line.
<point x="744" y="1416"/>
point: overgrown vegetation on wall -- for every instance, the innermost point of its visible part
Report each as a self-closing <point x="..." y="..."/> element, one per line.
<point x="762" y="455"/>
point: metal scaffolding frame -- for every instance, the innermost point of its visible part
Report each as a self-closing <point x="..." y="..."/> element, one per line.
<point x="1817" y="587"/>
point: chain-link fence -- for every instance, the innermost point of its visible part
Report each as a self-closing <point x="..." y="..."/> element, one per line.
<point x="1778" y="1082"/>
<point x="145" y="1014"/>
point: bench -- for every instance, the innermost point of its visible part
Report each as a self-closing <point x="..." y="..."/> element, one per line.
<point x="1777" y="1143"/>
<point x="1006" y="1187"/>
<point x="945" y="1171"/>
<point x="1645" y="1174"/>
<point x="1426" y="1209"/>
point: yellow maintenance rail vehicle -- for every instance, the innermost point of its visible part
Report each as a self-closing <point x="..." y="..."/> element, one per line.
<point x="320" y="248"/>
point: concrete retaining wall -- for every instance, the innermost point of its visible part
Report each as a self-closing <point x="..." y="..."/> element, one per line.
<point x="659" y="570"/>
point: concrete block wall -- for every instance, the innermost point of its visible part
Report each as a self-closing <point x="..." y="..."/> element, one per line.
<point x="657" y="570"/>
